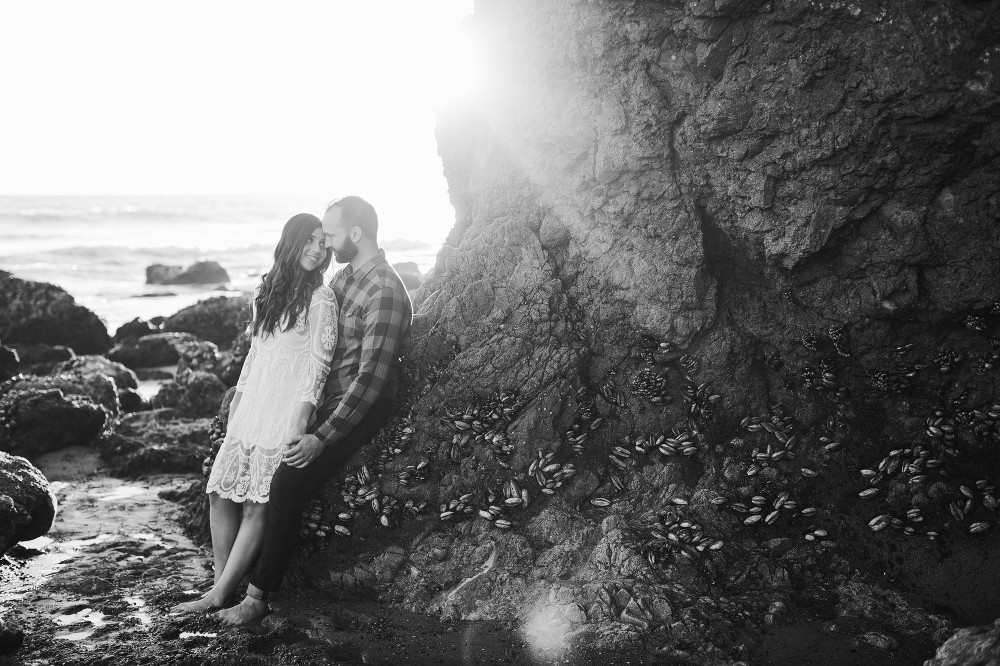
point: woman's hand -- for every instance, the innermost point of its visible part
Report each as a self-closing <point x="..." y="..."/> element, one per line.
<point x="302" y="450"/>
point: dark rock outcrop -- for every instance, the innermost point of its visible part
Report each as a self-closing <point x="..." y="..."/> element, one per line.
<point x="125" y="379"/>
<point x="156" y="442"/>
<point x="98" y="387"/>
<point x="27" y="505"/>
<point x="201" y="272"/>
<point x="195" y="394"/>
<point x="40" y="359"/>
<point x="40" y="420"/>
<point x="151" y="351"/>
<point x="736" y="240"/>
<point x="37" y="312"/>
<point x="88" y="365"/>
<point x="219" y="319"/>
<point x="132" y="330"/>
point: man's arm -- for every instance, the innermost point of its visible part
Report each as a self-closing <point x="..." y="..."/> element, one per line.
<point x="386" y="317"/>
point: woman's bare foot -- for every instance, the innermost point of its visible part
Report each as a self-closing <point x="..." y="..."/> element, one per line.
<point x="248" y="610"/>
<point x="202" y="605"/>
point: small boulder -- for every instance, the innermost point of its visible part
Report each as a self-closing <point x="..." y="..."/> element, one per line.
<point x="150" y="351"/>
<point x="27" y="505"/>
<point x="196" y="394"/>
<point x="201" y="272"/>
<point x="99" y="388"/>
<point x="219" y="319"/>
<point x="40" y="359"/>
<point x="9" y="363"/>
<point x="134" y="329"/>
<point x="99" y="365"/>
<point x="156" y="443"/>
<point x="34" y="422"/>
<point x="409" y="273"/>
<point x="37" y="312"/>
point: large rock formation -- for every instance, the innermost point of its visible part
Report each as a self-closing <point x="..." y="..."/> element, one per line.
<point x="219" y="319"/>
<point x="37" y="312"/>
<point x="27" y="506"/>
<point x="753" y="245"/>
<point x="36" y="421"/>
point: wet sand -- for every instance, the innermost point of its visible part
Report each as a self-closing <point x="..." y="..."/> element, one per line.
<point x="97" y="589"/>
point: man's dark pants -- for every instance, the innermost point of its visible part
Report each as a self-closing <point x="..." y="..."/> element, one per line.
<point x="293" y="487"/>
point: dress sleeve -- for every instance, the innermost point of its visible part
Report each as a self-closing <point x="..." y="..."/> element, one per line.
<point x="252" y="354"/>
<point x="322" y="343"/>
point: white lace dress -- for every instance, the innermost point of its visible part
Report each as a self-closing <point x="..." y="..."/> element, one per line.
<point x="281" y="370"/>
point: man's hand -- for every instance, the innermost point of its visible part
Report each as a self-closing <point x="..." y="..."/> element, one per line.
<point x="302" y="450"/>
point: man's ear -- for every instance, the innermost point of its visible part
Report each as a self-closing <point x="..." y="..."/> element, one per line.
<point x="356" y="234"/>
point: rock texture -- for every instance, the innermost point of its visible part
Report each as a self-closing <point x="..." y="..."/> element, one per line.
<point x="201" y="272"/>
<point x="974" y="646"/>
<point x="156" y="442"/>
<point x="219" y="319"/>
<point x="195" y="394"/>
<point x="27" y="505"/>
<point x="36" y="312"/>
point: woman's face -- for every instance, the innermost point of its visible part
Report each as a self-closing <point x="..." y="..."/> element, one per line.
<point x="314" y="251"/>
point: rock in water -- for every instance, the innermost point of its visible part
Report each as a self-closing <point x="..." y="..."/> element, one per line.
<point x="97" y="387"/>
<point x="409" y="273"/>
<point x="37" y="421"/>
<point x="972" y="645"/>
<point x="219" y="319"/>
<point x="27" y="505"/>
<point x="37" y="312"/>
<point x="202" y="272"/>
<point x="151" y="351"/>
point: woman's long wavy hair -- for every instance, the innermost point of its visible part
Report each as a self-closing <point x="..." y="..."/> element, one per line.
<point x="286" y="289"/>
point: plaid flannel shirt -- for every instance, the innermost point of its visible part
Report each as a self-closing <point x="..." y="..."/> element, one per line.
<point x="373" y="334"/>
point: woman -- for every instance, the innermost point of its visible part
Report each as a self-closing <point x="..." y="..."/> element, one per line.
<point x="294" y="331"/>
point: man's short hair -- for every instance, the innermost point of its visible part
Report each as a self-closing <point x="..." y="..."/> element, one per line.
<point x="356" y="212"/>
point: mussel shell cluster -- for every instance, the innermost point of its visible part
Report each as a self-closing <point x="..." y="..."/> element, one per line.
<point x="587" y="419"/>
<point x="651" y="385"/>
<point x="395" y="440"/>
<point x="701" y="400"/>
<point x="762" y="509"/>
<point x="945" y="359"/>
<point x="484" y="423"/>
<point x="313" y="527"/>
<point x="457" y="507"/>
<point x="838" y="334"/>
<point x="549" y="475"/>
<point x="672" y="533"/>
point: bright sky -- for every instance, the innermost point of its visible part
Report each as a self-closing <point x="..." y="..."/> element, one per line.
<point x="320" y="97"/>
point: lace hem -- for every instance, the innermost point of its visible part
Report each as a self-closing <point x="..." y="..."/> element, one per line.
<point x="233" y="496"/>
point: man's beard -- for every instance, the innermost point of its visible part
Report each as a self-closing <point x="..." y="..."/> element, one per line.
<point x="346" y="253"/>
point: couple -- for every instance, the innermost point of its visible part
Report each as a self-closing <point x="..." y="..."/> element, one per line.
<point x="317" y="384"/>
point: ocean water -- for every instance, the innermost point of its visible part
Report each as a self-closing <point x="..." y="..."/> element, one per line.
<point x="98" y="247"/>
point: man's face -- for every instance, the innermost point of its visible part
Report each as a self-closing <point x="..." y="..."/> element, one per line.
<point x="338" y="237"/>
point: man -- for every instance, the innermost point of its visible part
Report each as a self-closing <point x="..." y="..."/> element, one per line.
<point x="374" y="332"/>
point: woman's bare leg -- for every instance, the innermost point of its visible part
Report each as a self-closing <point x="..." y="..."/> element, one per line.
<point x="224" y="517"/>
<point x="242" y="555"/>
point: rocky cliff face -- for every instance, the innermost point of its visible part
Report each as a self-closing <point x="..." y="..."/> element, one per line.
<point x="754" y="245"/>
